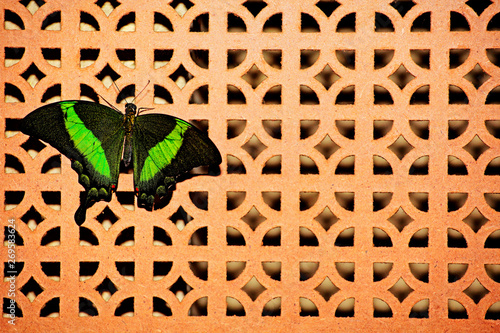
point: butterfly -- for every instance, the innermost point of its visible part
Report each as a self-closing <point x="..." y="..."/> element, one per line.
<point x="96" y="138"/>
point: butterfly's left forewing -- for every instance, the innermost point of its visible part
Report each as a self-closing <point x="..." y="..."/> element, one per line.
<point x="163" y="148"/>
<point x="91" y="135"/>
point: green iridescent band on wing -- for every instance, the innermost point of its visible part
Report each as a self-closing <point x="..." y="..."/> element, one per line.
<point x="167" y="149"/>
<point x="84" y="140"/>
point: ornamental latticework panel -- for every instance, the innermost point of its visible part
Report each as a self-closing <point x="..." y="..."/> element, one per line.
<point x="359" y="188"/>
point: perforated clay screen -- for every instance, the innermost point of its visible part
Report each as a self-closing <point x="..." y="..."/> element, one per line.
<point x="360" y="182"/>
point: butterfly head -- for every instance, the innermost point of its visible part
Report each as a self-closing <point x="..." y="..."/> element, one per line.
<point x="130" y="109"/>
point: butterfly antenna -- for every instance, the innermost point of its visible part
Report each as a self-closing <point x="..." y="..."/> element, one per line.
<point x="114" y="107"/>
<point x="141" y="91"/>
<point x="119" y="90"/>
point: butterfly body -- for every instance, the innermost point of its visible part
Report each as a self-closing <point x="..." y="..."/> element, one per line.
<point x="96" y="138"/>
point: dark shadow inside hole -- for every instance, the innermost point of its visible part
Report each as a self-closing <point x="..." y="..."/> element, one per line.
<point x="421" y="57"/>
<point x="51" y="269"/>
<point x="163" y="21"/>
<point x="88" y="268"/>
<point x="126" y="20"/>
<point x="125" y="54"/>
<point x="200" y="95"/>
<point x="89" y="92"/>
<point x="458" y="22"/>
<point x="51" y="53"/>
<point x="126" y="306"/>
<point x="125" y="235"/>
<point x="90" y="20"/>
<point x="54" y="91"/>
<point x="235" y="58"/>
<point x="235" y="23"/>
<point x="272" y="237"/>
<point x="200" y="23"/>
<point x="308" y="96"/>
<point x="86" y="306"/>
<point x="200" y="57"/>
<point x="160" y="306"/>
<point x="308" y="23"/>
<point x="55" y="17"/>
<point x="255" y="7"/>
<point x="234" y="237"/>
<point x="272" y="96"/>
<point x="15" y="53"/>
<point x="494" y="24"/>
<point x="13" y="163"/>
<point x="13" y="91"/>
<point x="420" y="96"/>
<point x="126" y="92"/>
<point x="422" y="23"/>
<point x="199" y="237"/>
<point x="347" y="23"/>
<point x="51" y="307"/>
<point x="235" y="95"/>
<point x="13" y="18"/>
<point x="52" y="164"/>
<point x="162" y="268"/>
<point x="161" y="236"/>
<point x="9" y="233"/>
<point x="273" y="24"/>
<point x="125" y="268"/>
<point x="13" y="197"/>
<point x="346" y="96"/>
<point x="235" y="165"/>
<point x="383" y="23"/>
<point x="163" y="94"/>
<point x="89" y="54"/>
<point x="88" y="236"/>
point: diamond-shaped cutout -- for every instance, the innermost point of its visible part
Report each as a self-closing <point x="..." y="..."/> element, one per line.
<point x="327" y="289"/>
<point x="254" y="76"/>
<point x="255" y="6"/>
<point x="402" y="7"/>
<point x="327" y="77"/>
<point x="253" y="218"/>
<point x="180" y="288"/>
<point x="476" y="147"/>
<point x="107" y="76"/>
<point x="32" y="6"/>
<point x="254" y="146"/>
<point x="107" y="6"/>
<point x="181" y="76"/>
<point x="107" y="288"/>
<point x="401" y="290"/>
<point x="327" y="6"/>
<point x="31" y="289"/>
<point x="326" y="218"/>
<point x="400" y="219"/>
<point x="401" y="77"/>
<point x="477" y="76"/>
<point x="33" y="75"/>
<point x="181" y="6"/>
<point x="478" y="5"/>
<point x="475" y="220"/>
<point x="107" y="218"/>
<point x="253" y="288"/>
<point x="400" y="147"/>
<point x="32" y="218"/>
<point x="327" y="147"/>
<point x="180" y="218"/>
<point x="476" y="291"/>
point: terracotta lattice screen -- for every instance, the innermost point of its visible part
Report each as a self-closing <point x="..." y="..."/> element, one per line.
<point x="359" y="188"/>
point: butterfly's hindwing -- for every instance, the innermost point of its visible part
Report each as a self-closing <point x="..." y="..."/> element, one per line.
<point x="163" y="148"/>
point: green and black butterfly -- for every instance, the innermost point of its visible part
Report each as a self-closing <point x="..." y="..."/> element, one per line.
<point x="96" y="138"/>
